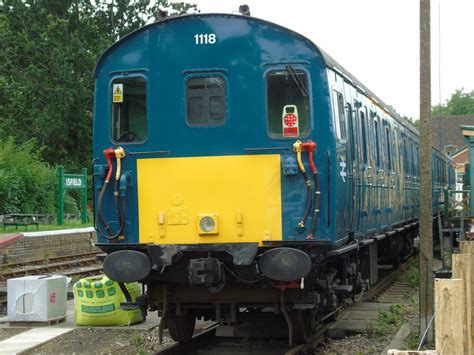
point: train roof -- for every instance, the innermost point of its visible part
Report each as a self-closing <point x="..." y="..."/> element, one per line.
<point x="330" y="62"/>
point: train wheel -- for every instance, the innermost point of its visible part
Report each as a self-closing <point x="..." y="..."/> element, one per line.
<point x="181" y="327"/>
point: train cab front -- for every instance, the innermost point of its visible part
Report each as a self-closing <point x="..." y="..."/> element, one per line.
<point x="203" y="167"/>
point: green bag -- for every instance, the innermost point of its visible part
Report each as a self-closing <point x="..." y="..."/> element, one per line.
<point x="98" y="301"/>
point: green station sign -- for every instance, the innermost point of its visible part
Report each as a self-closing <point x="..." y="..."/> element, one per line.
<point x="72" y="181"/>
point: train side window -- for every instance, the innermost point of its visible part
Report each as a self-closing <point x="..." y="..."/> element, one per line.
<point x="206" y="101"/>
<point x="389" y="150"/>
<point x="396" y="155"/>
<point x="129" y="113"/>
<point x="417" y="158"/>
<point x="338" y="103"/>
<point x="405" y="157"/>
<point x="377" y="142"/>
<point x="287" y="87"/>
<point x="364" y="137"/>
<point x="352" y="133"/>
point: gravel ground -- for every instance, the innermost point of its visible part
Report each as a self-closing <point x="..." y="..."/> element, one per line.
<point x="101" y="341"/>
<point x="357" y="344"/>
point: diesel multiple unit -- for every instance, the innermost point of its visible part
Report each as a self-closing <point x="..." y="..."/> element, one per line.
<point x="239" y="169"/>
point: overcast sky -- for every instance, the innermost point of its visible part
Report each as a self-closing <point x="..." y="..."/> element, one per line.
<point x="377" y="41"/>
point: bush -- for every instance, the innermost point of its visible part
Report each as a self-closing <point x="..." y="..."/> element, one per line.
<point x="27" y="185"/>
<point x="70" y="204"/>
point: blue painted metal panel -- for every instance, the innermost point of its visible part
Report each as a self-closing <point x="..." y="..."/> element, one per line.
<point x="245" y="51"/>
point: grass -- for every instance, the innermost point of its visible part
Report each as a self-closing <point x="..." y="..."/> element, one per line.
<point x="387" y="322"/>
<point x="412" y="273"/>
<point x="413" y="340"/>
<point x="44" y="227"/>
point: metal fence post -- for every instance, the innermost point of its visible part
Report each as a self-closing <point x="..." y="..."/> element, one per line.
<point x="84" y="198"/>
<point x="60" y="195"/>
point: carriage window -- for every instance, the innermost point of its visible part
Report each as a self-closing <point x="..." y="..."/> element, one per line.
<point x="377" y="142"/>
<point x="364" y="137"/>
<point x="287" y="88"/>
<point x="129" y="116"/>
<point x="206" y="101"/>
<point x="417" y="158"/>
<point x="389" y="150"/>
<point x="338" y="102"/>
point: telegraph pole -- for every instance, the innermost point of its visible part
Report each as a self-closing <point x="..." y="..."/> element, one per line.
<point x="426" y="209"/>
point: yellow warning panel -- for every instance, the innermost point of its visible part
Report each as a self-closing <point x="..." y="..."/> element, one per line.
<point x="117" y="93"/>
<point x="240" y="194"/>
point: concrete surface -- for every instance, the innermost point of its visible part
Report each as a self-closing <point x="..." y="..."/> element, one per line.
<point x="29" y="339"/>
<point x="151" y="321"/>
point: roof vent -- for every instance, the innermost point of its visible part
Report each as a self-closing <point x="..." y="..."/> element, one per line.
<point x="244" y="10"/>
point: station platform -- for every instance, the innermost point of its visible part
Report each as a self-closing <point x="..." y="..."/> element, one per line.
<point x="29" y="335"/>
<point x="6" y="239"/>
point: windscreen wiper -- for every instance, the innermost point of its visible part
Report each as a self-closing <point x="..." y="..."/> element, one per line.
<point x="299" y="83"/>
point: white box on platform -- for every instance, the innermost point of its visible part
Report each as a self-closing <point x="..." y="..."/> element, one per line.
<point x="37" y="298"/>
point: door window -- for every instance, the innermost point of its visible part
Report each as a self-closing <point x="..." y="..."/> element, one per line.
<point x="129" y="112"/>
<point x="287" y="93"/>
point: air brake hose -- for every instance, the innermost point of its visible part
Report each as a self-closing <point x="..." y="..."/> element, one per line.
<point x="119" y="154"/>
<point x="109" y="154"/>
<point x="298" y="148"/>
<point x="310" y="146"/>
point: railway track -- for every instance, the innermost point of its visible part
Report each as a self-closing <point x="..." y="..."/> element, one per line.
<point x="74" y="266"/>
<point x="44" y="266"/>
<point x="205" y="342"/>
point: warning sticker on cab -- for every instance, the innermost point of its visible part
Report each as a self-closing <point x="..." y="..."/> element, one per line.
<point x="117" y="93"/>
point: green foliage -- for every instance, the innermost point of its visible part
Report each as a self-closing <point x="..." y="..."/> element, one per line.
<point x="27" y="184"/>
<point x="70" y="204"/>
<point x="387" y="322"/>
<point x="411" y="275"/>
<point x="136" y="340"/>
<point x="460" y="103"/>
<point x="48" y="50"/>
<point x="413" y="340"/>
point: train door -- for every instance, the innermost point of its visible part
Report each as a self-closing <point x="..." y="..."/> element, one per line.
<point x="383" y="175"/>
<point x="354" y="167"/>
<point x="389" y="174"/>
<point x="371" y="170"/>
<point x="378" y="174"/>
<point x="396" y="175"/>
<point x="405" y="179"/>
<point x="344" y="194"/>
<point x="364" y="167"/>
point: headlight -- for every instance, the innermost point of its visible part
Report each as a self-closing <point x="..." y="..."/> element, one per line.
<point x="207" y="224"/>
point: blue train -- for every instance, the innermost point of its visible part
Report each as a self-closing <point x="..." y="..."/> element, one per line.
<point x="239" y="168"/>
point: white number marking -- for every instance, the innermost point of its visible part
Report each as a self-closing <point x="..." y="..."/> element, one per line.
<point x="206" y="38"/>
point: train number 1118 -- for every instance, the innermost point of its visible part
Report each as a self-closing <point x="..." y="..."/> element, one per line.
<point x="205" y="38"/>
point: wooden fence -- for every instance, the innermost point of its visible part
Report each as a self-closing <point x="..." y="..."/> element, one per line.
<point x="454" y="307"/>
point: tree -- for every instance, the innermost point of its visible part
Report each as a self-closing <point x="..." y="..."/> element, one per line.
<point x="48" y="50"/>
<point x="460" y="103"/>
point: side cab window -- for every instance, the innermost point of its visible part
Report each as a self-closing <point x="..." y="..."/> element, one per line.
<point x="129" y="110"/>
<point x="288" y="99"/>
